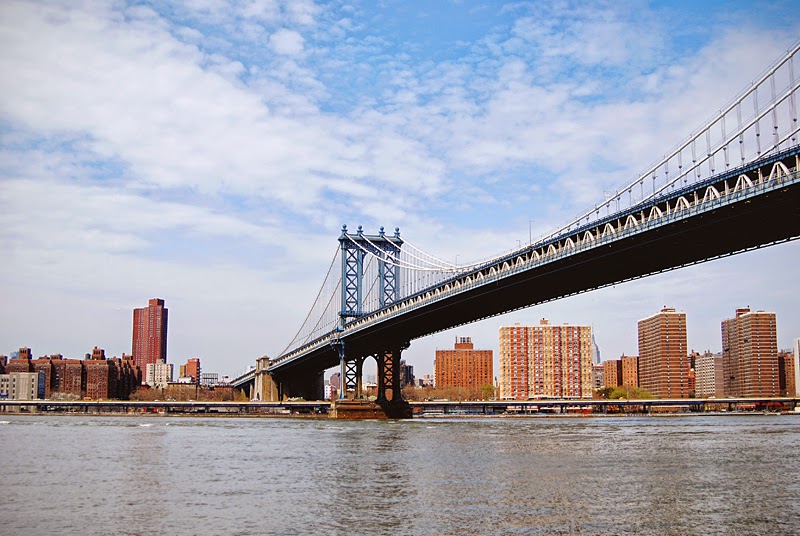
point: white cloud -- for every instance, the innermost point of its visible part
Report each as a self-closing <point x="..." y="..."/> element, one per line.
<point x="287" y="42"/>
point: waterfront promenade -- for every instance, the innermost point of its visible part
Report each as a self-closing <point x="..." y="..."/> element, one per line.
<point x="435" y="408"/>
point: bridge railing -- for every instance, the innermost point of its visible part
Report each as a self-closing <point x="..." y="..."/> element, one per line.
<point x="773" y="97"/>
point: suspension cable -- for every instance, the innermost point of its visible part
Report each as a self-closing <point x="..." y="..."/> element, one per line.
<point x="313" y="304"/>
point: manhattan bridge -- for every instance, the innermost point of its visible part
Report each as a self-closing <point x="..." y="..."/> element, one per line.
<point x="731" y="186"/>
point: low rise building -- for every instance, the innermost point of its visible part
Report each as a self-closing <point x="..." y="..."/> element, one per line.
<point x="209" y="378"/>
<point x="22" y="386"/>
<point x="158" y="374"/>
<point x="598" y="376"/>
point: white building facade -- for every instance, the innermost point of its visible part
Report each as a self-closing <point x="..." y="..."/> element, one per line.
<point x="158" y="374"/>
<point x="22" y="385"/>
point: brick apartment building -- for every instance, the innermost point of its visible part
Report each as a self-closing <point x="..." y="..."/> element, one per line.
<point x="546" y="361"/>
<point x="750" y="354"/>
<point x="663" y="354"/>
<point x="96" y="377"/>
<point x="149" y="343"/>
<point x="464" y="366"/>
<point x="612" y="372"/>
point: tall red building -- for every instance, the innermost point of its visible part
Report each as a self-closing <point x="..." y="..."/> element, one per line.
<point x="663" y="354"/>
<point x="546" y="361"/>
<point x="150" y="334"/>
<point x="750" y="354"/>
<point x="514" y="362"/>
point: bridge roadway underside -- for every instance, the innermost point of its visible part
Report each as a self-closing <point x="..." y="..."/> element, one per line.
<point x="761" y="220"/>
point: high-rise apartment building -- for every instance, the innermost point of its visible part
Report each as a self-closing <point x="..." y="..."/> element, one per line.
<point x="150" y="334"/>
<point x="463" y="366"/>
<point x="546" y="361"/>
<point x="514" y="362"/>
<point x="663" y="354"/>
<point x="750" y="354"/>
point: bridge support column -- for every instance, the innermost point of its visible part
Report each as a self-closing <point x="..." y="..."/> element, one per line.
<point x="389" y="382"/>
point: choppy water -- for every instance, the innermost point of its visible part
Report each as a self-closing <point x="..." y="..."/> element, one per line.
<point x="167" y="475"/>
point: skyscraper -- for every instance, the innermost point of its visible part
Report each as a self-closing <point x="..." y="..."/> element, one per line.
<point x="546" y="361"/>
<point x="149" y="334"/>
<point x="663" y="355"/>
<point x="750" y="354"/>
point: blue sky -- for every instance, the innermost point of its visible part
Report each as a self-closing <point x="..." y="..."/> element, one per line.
<point x="208" y="153"/>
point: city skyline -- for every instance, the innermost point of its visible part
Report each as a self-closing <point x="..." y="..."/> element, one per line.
<point x="211" y="156"/>
<point x="490" y="343"/>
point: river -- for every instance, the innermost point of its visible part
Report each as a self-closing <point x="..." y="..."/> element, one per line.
<point x="272" y="476"/>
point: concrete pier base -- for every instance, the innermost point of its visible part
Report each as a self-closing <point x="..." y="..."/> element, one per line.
<point x="366" y="409"/>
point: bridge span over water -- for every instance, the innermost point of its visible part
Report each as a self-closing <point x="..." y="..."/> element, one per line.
<point x="732" y="186"/>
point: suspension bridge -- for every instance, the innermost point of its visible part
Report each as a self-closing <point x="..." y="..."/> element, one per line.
<point x="731" y="186"/>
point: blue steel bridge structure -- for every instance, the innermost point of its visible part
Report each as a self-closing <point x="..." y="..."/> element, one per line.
<point x="731" y="186"/>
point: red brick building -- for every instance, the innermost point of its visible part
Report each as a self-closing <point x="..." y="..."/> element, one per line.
<point x="546" y="361"/>
<point x="787" y="373"/>
<point x="150" y="334"/>
<point x="191" y="368"/>
<point x="630" y="370"/>
<point x="96" y="377"/>
<point x="101" y="379"/>
<point x="70" y="377"/>
<point x="19" y="365"/>
<point x="45" y="367"/>
<point x="750" y="354"/>
<point x="612" y="373"/>
<point x="514" y="362"/>
<point x="663" y="354"/>
<point x="464" y="366"/>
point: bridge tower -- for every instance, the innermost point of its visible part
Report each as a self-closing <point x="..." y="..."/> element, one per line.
<point x="354" y="250"/>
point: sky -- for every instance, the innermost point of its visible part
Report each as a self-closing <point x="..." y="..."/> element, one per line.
<point x="207" y="152"/>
